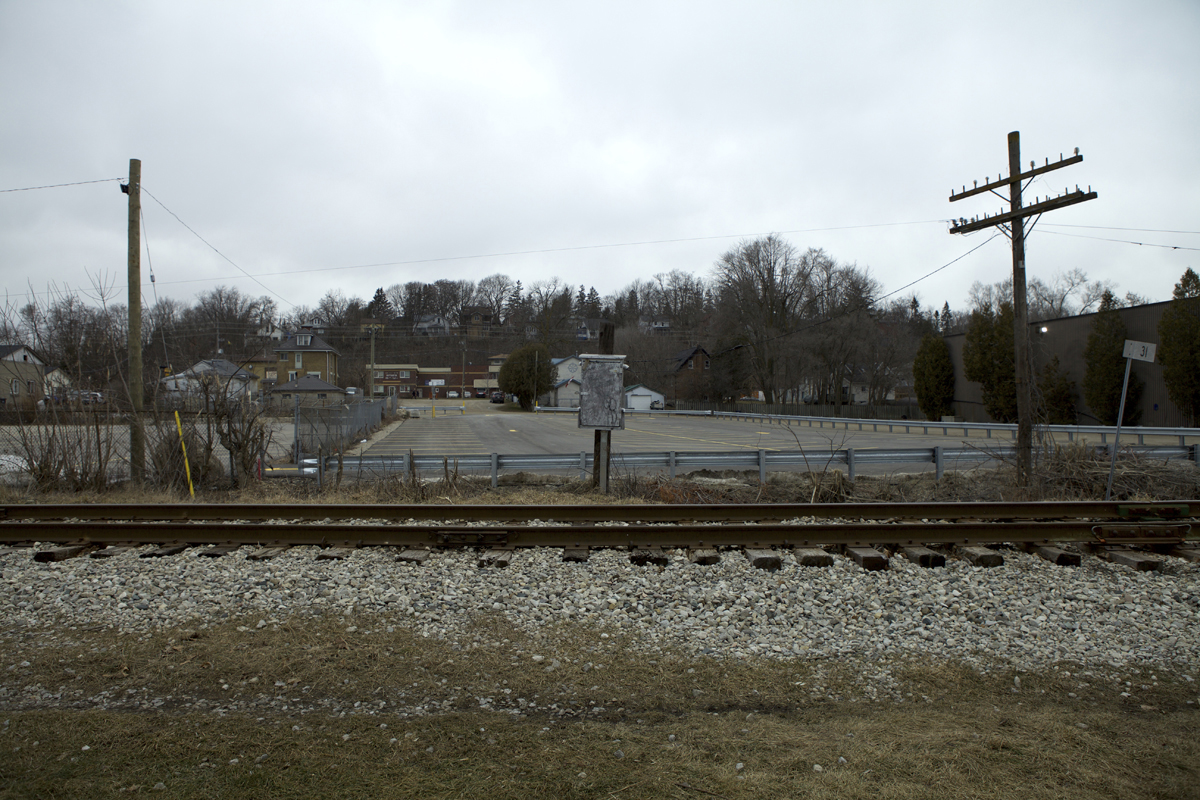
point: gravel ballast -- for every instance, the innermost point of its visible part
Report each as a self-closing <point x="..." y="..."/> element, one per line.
<point x="1028" y="614"/>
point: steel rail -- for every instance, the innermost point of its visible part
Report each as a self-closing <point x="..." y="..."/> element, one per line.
<point x="1098" y="510"/>
<point x="632" y="536"/>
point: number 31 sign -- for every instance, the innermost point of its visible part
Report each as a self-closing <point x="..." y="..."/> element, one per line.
<point x="1139" y="351"/>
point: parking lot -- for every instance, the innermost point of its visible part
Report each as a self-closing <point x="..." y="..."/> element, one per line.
<point x="487" y="428"/>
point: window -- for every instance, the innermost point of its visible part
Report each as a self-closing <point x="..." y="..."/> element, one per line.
<point x="299" y="360"/>
<point x="378" y="374"/>
<point x="29" y="386"/>
<point x="404" y="373"/>
<point x="292" y="376"/>
<point x="16" y="387"/>
<point x="321" y="396"/>
<point x="304" y="339"/>
<point x="706" y="363"/>
<point x="314" y="374"/>
<point x="283" y="356"/>
<point x="691" y="363"/>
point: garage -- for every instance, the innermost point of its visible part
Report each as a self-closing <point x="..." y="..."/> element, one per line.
<point x="640" y="397"/>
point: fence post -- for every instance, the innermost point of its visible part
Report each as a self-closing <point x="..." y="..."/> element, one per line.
<point x="937" y="461"/>
<point x="671" y="461"/>
<point x="583" y="465"/>
<point x="495" y="470"/>
<point x="850" y="462"/>
<point x="762" y="466"/>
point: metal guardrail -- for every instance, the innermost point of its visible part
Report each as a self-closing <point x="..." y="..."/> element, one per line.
<point x="673" y="461"/>
<point x="846" y="423"/>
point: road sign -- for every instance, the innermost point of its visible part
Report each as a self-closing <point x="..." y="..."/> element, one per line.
<point x="1139" y="351"/>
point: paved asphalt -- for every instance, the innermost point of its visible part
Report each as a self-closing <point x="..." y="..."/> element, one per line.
<point x="490" y="428"/>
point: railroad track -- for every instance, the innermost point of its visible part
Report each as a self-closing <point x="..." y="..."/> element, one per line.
<point x="1108" y="529"/>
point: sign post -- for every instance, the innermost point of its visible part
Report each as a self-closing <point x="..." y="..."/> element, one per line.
<point x="1134" y="351"/>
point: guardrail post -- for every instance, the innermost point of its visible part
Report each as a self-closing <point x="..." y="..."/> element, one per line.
<point x="762" y="466"/>
<point x="937" y="462"/>
<point x="1196" y="454"/>
<point x="671" y="463"/>
<point x="850" y="462"/>
<point x="495" y="470"/>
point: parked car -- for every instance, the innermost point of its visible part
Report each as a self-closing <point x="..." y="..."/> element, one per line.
<point x="451" y="394"/>
<point x="497" y="397"/>
<point x="481" y="392"/>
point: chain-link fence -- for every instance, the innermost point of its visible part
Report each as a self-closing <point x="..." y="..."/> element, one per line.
<point x="332" y="429"/>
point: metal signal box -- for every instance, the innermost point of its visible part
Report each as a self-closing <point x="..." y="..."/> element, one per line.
<point x="601" y="392"/>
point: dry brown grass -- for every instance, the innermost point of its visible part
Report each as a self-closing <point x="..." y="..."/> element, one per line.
<point x="948" y="732"/>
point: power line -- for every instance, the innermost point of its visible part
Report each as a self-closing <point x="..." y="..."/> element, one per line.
<point x="1121" y="241"/>
<point x="1110" y="228"/>
<point x="59" y="185"/>
<point x="214" y="249"/>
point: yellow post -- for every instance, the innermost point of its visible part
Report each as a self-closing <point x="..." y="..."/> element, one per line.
<point x="186" y="467"/>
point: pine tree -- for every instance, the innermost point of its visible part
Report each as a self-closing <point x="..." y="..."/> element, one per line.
<point x="1106" y="368"/>
<point x="1058" y="395"/>
<point x="988" y="360"/>
<point x="933" y="378"/>
<point x="1179" y="346"/>
<point x="380" y="308"/>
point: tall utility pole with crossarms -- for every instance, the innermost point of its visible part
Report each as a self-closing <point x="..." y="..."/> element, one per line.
<point x="1012" y="224"/>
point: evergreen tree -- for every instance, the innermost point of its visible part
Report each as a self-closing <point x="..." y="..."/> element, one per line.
<point x="1106" y="368"/>
<point x="933" y="378"/>
<point x="988" y="360"/>
<point x="1179" y="346"/>
<point x="1058" y="395"/>
<point x="594" y="305"/>
<point x="527" y="373"/>
<point x="380" y="307"/>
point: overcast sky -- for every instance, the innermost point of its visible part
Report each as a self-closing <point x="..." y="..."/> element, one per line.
<point x="614" y="140"/>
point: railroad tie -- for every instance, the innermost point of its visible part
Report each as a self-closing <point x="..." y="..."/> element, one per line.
<point x="641" y="556"/>
<point x="62" y="553"/>
<point x="924" y="557"/>
<point x="1186" y="553"/>
<point x="413" y="555"/>
<point x="813" y="557"/>
<point x="166" y="550"/>
<point x="112" y="550"/>
<point x="704" y="556"/>
<point x="218" y="550"/>
<point x="267" y="553"/>
<point x="1056" y="555"/>
<point x="336" y="553"/>
<point x="1141" y="562"/>
<point x="500" y="557"/>
<point x="981" y="556"/>
<point x="868" y="558"/>
<point x="575" y="555"/>
<point x="763" y="559"/>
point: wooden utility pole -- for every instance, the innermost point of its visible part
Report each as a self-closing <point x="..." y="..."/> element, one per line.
<point x="137" y="440"/>
<point x="602" y="441"/>
<point x="1012" y="223"/>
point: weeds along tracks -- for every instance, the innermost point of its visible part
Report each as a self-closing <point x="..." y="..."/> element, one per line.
<point x="1120" y="531"/>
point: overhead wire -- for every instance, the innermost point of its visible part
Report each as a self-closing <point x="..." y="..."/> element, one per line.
<point x="214" y="249"/>
<point x="59" y="185"/>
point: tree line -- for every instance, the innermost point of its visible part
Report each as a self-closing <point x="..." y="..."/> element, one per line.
<point x="988" y="355"/>
<point x="786" y="324"/>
